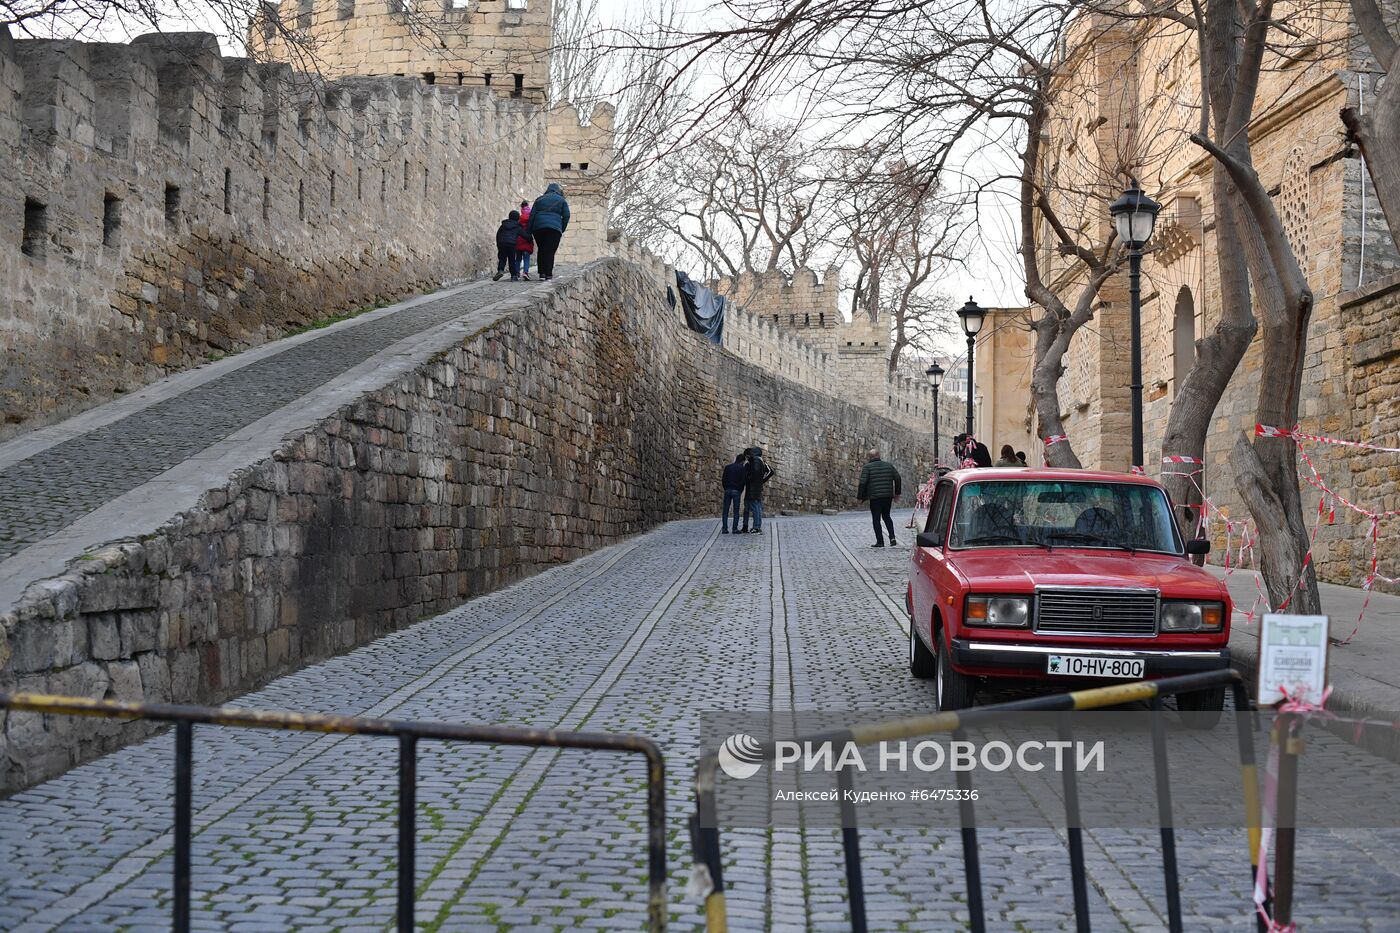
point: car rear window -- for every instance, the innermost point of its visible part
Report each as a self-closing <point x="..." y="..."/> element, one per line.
<point x="1000" y="513"/>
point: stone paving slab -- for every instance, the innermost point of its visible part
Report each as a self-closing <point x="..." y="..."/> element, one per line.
<point x="1364" y="674"/>
<point x="296" y="832"/>
<point x="123" y="469"/>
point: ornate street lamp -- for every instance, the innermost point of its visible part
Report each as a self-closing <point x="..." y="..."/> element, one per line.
<point x="972" y="315"/>
<point x="1134" y="216"/>
<point x="935" y="379"/>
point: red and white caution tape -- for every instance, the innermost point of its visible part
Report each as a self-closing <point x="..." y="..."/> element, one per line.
<point x="1056" y="439"/>
<point x="1268" y="430"/>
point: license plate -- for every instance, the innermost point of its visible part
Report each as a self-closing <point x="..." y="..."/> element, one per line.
<point x="1088" y="665"/>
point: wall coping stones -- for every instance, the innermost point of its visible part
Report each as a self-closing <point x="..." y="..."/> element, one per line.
<point x="144" y="509"/>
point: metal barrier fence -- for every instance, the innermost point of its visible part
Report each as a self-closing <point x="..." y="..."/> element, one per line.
<point x="705" y="829"/>
<point x="408" y="733"/>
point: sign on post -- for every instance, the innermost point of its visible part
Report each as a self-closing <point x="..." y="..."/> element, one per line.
<point x="1292" y="658"/>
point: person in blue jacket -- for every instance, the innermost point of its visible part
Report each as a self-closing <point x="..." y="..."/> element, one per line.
<point x="549" y="218"/>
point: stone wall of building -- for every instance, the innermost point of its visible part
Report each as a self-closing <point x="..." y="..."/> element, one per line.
<point x="1318" y="185"/>
<point x="564" y="427"/>
<point x="162" y="205"/>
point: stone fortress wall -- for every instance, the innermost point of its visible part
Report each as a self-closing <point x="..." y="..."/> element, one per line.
<point x="606" y="413"/>
<point x="165" y="205"/>
<point x="794" y="327"/>
<point x="501" y="45"/>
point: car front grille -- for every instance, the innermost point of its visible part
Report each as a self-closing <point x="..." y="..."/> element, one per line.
<point x="1091" y="611"/>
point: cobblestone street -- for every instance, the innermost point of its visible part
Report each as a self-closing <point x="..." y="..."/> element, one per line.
<point x="298" y="831"/>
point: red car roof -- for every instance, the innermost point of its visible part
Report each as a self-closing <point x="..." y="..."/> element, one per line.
<point x="977" y="474"/>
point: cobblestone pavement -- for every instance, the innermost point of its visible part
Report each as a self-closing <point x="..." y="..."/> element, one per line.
<point x="47" y="492"/>
<point x="297" y="831"/>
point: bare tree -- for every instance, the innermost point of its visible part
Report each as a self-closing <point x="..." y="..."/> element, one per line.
<point x="902" y="231"/>
<point x="1235" y="43"/>
<point x="753" y="198"/>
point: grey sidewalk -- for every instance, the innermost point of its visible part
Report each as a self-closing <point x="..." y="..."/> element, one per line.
<point x="1364" y="673"/>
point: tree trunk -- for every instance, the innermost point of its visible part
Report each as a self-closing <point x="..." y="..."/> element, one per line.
<point x="1282" y="544"/>
<point x="1217" y="358"/>
<point x="1051" y="342"/>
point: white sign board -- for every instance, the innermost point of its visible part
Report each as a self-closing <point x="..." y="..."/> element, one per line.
<point x="1292" y="658"/>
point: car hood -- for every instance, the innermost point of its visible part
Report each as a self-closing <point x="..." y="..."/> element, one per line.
<point x="1021" y="570"/>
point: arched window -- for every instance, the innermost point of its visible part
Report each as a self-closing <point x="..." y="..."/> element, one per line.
<point x="1183" y="338"/>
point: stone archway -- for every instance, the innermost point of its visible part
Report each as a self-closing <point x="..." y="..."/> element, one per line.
<point x="1183" y="337"/>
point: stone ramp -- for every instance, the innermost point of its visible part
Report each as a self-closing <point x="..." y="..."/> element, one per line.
<point x="121" y="470"/>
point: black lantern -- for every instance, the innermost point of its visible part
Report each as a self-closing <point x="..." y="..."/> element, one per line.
<point x="935" y="379"/>
<point x="973" y="315"/>
<point x="1134" y="216"/>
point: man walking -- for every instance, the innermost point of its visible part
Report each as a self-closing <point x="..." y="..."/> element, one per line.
<point x="734" y="478"/>
<point x="880" y="484"/>
<point x="549" y="218"/>
<point x="758" y="474"/>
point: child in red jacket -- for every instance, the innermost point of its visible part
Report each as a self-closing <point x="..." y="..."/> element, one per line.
<point x="525" y="244"/>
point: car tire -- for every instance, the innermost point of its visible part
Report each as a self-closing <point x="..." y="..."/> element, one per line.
<point x="1201" y="709"/>
<point x="951" y="690"/>
<point x="922" y="663"/>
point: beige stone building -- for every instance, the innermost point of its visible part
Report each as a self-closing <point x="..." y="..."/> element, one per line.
<point x="1002" y="383"/>
<point x="1126" y="102"/>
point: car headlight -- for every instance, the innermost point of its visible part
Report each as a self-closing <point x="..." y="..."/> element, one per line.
<point x="998" y="611"/>
<point x="1181" y="616"/>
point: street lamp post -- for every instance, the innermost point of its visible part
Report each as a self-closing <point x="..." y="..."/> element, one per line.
<point x="972" y="316"/>
<point x="1134" y="215"/>
<point x="935" y="379"/>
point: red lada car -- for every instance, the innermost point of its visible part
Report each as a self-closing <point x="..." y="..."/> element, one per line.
<point x="1061" y="576"/>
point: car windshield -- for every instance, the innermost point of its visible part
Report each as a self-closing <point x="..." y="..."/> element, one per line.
<point x="1054" y="513"/>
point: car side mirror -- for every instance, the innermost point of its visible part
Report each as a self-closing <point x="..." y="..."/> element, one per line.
<point x="927" y="539"/>
<point x="1198" y="546"/>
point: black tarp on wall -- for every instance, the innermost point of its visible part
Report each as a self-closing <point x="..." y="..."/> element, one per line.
<point x="704" y="310"/>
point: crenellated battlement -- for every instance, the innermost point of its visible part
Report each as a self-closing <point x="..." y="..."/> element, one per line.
<point x="500" y="45"/>
<point x="163" y="204"/>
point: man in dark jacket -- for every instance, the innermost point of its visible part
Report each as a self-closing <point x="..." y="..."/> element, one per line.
<point x="880" y="485"/>
<point x="506" y="254"/>
<point x="758" y="473"/>
<point x="734" y="477"/>
<point x="549" y="218"/>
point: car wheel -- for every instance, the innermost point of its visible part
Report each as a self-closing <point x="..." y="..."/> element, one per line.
<point x="951" y="690"/>
<point x="922" y="663"/>
<point x="1201" y="709"/>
